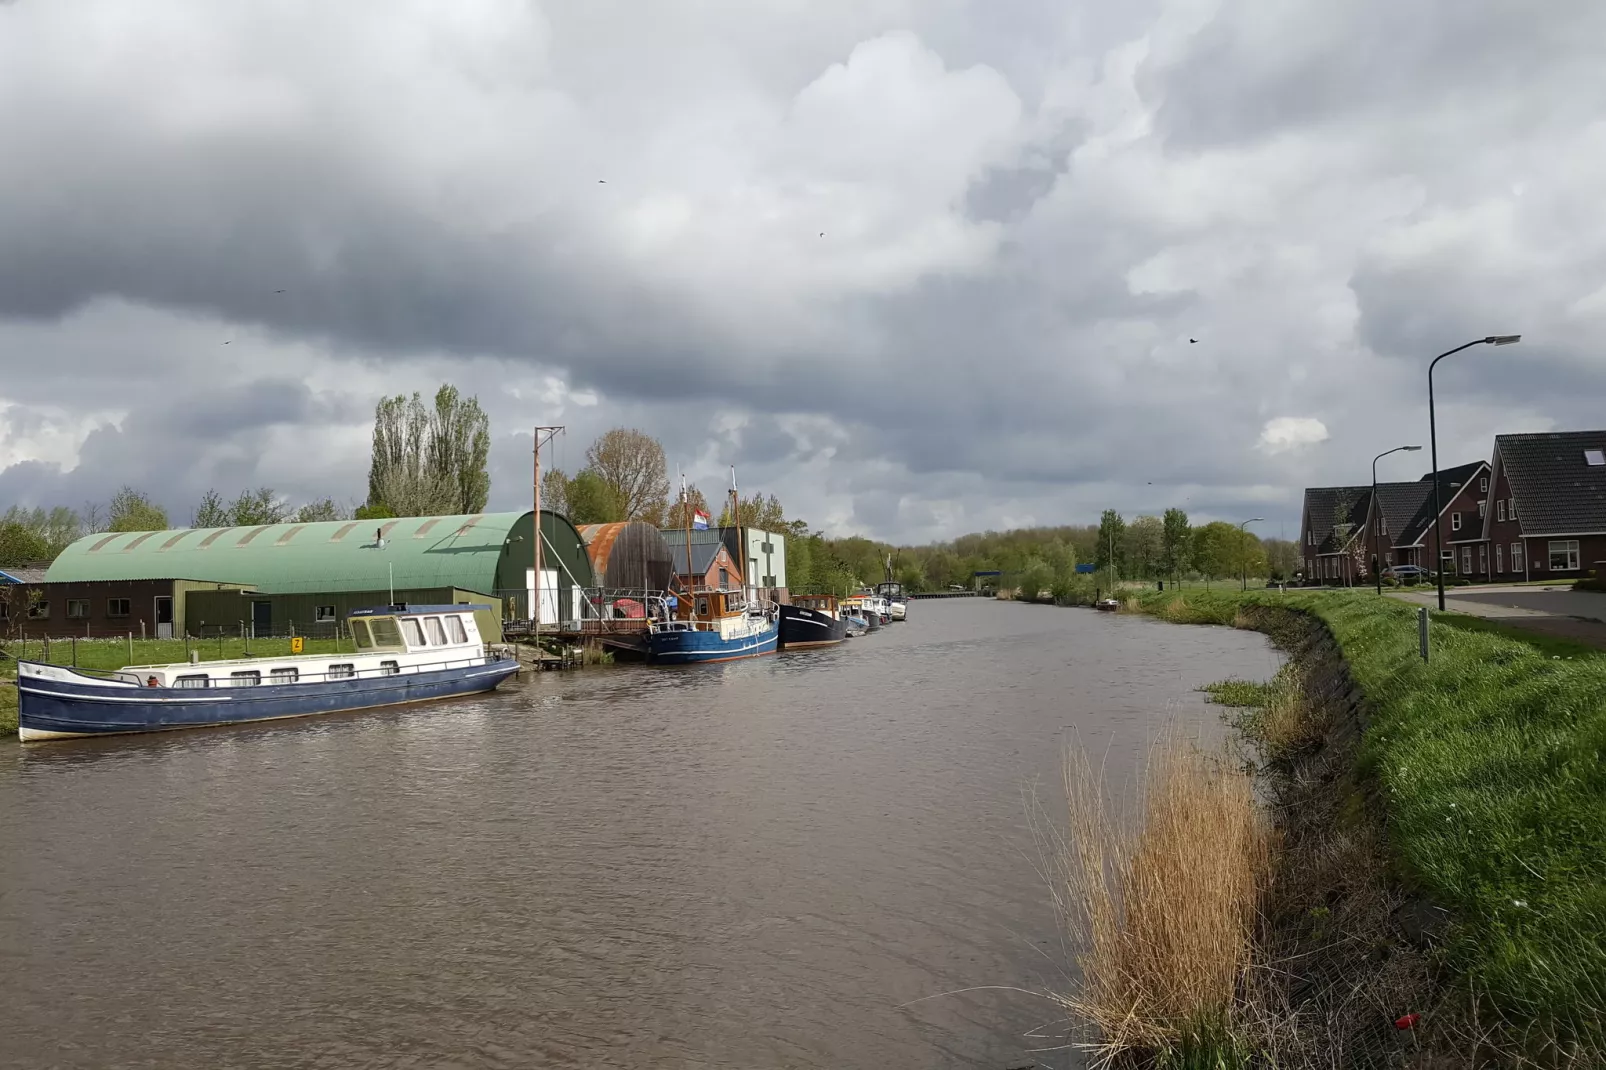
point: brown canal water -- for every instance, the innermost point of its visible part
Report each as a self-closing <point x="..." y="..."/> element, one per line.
<point x="756" y="864"/>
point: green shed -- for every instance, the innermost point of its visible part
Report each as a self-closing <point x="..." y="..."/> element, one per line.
<point x="487" y="553"/>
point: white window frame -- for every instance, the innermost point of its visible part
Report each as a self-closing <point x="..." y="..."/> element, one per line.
<point x="1500" y="510"/>
<point x="245" y="678"/>
<point x="1466" y="561"/>
<point x="78" y="608"/>
<point x="1517" y="554"/>
<point x="1569" y="550"/>
<point x="193" y="680"/>
<point x="284" y="676"/>
<point x="412" y="632"/>
<point x="1455" y="521"/>
<point x="455" y="630"/>
<point x="1499" y="559"/>
<point x="1511" y="507"/>
<point x="1483" y="507"/>
<point x="1483" y="485"/>
<point x="343" y="670"/>
<point x="435" y="630"/>
<point x="1483" y="559"/>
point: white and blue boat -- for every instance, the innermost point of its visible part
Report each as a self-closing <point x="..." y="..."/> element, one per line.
<point x="713" y="626"/>
<point x="403" y="654"/>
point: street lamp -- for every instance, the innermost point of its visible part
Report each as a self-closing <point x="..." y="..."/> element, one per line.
<point x="1244" y="564"/>
<point x="1433" y="441"/>
<point x="1378" y="558"/>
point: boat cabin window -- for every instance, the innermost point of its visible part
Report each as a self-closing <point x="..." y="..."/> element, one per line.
<point x="342" y="672"/>
<point x="245" y="679"/>
<point x="435" y="630"/>
<point x="702" y="607"/>
<point x="455" y="626"/>
<point x="284" y="676"/>
<point x="413" y="631"/>
<point x="360" y="634"/>
<point x="200" y="680"/>
<point x="389" y="668"/>
<point x="387" y="634"/>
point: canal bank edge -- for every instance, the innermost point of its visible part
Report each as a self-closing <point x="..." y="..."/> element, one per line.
<point x="1473" y="783"/>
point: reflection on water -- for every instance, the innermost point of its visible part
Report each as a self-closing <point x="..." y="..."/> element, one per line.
<point x="739" y="865"/>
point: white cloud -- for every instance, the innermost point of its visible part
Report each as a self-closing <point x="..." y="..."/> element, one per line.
<point x="1286" y="433"/>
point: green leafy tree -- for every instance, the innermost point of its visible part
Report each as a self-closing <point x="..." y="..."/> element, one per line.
<point x="594" y="500"/>
<point x="430" y="461"/>
<point x="1216" y="550"/>
<point x="1112" y="532"/>
<point x="1145" y="543"/>
<point x="372" y="512"/>
<point x="323" y="509"/>
<point x="459" y="448"/>
<point x="254" y="508"/>
<point x="20" y="546"/>
<point x="1282" y="558"/>
<point x="132" y="510"/>
<point x="1176" y="543"/>
<point x="211" y="512"/>
<point x="758" y="511"/>
<point x="680" y="518"/>
<point x="555" y="491"/>
<point x="632" y="464"/>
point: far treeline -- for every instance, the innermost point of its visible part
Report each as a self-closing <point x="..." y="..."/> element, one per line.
<point x="431" y="459"/>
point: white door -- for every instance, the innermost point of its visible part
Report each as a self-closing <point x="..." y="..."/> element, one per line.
<point x="549" y="593"/>
<point x="574" y="603"/>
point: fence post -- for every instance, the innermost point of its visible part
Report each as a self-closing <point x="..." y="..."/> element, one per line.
<point x="1422" y="631"/>
<point x="142" y="629"/>
<point x="131" y="648"/>
<point x="47" y="649"/>
<point x="75" y="652"/>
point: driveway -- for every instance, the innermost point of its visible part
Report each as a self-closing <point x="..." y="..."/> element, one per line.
<point x="1559" y="611"/>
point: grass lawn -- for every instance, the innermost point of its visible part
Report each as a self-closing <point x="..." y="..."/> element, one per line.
<point x="1489" y="760"/>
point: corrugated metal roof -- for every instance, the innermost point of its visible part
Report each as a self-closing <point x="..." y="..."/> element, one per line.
<point x="22" y="575"/>
<point x="449" y="551"/>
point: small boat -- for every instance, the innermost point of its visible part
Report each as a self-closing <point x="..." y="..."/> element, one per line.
<point x="1107" y="605"/>
<point x="812" y="620"/>
<point x="404" y="654"/>
<point x="713" y="626"/>
<point x="856" y="626"/>
<point x="863" y="607"/>
<point x="897" y="599"/>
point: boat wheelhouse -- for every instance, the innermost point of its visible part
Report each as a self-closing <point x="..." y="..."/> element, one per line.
<point x="897" y="599"/>
<point x="402" y="654"/>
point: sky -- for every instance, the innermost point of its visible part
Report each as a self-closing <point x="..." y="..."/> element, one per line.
<point x="917" y="267"/>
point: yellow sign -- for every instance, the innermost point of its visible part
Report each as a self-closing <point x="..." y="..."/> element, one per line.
<point x="295" y="644"/>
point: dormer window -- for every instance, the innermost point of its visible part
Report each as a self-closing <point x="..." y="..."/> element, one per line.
<point x="1595" y="458"/>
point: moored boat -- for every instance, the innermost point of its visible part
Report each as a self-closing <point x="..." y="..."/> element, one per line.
<point x="404" y="654"/>
<point x="713" y="626"/>
<point x="812" y="620"/>
<point x="863" y="607"/>
<point x="1107" y="605"/>
<point x="897" y="599"/>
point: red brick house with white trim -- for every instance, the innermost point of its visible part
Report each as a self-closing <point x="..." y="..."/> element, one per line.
<point x="1548" y="517"/>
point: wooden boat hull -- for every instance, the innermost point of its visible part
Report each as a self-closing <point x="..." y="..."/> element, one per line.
<point x="802" y="628"/>
<point x="58" y="703"/>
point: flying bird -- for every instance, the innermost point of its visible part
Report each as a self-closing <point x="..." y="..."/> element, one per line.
<point x="1191" y="341"/>
<point x="230" y="340"/>
<point x="822" y="233"/>
<point x="278" y="291"/>
<point x="602" y="182"/>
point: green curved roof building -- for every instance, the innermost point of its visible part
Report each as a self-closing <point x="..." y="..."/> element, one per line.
<point x="488" y="552"/>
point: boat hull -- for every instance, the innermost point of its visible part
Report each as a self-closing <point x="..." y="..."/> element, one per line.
<point x="61" y="704"/>
<point x="802" y="628"/>
<point x="691" y="647"/>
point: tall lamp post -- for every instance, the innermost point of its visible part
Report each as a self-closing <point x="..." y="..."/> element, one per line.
<point x="1377" y="559"/>
<point x="1244" y="569"/>
<point x="1433" y="441"/>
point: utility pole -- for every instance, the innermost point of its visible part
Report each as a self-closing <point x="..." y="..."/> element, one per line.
<point x="535" y="592"/>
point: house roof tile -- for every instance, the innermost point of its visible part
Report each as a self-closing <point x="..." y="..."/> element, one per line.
<point x="1558" y="492"/>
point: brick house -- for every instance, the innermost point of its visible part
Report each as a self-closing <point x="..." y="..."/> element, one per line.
<point x="1464" y="498"/>
<point x="712" y="567"/>
<point x="1331" y="536"/>
<point x="1549" y="513"/>
<point x="1394" y="523"/>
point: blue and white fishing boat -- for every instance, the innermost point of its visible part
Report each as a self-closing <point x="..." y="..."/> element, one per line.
<point x="403" y="654"/>
<point x="713" y="626"/>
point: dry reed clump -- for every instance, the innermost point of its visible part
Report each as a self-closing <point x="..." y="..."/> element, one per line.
<point x="1161" y="909"/>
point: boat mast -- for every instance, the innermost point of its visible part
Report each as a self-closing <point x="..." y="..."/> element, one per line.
<point x="685" y="518"/>
<point x="736" y="522"/>
<point x="535" y="592"/>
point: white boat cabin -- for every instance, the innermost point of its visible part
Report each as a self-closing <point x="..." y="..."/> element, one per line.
<point x="388" y="642"/>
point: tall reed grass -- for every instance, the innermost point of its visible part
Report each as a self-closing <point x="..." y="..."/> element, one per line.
<point x="1159" y="902"/>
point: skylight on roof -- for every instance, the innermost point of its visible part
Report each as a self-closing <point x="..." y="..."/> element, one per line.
<point x="1594" y="457"/>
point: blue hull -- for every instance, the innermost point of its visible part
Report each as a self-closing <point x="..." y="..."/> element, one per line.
<point x="689" y="647"/>
<point x="69" y="708"/>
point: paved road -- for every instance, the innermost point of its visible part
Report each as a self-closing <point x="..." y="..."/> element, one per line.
<point x="1559" y="611"/>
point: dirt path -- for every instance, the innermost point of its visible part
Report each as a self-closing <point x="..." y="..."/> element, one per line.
<point x="1557" y="611"/>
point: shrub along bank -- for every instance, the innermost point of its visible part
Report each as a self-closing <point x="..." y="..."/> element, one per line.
<point x="1486" y="764"/>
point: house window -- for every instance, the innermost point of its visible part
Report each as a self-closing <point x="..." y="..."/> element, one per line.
<point x="201" y="680"/>
<point x="1483" y="559"/>
<point x="117" y="607"/>
<point x="1483" y="485"/>
<point x="1499" y="558"/>
<point x="1455" y="521"/>
<point x="437" y="633"/>
<point x="39" y="610"/>
<point x="342" y="672"/>
<point x="5" y="610"/>
<point x="1310" y="538"/>
<point x="284" y="676"/>
<point x="1482" y="508"/>
<point x="1500" y="510"/>
<point x="250" y="678"/>
<point x="1466" y="560"/>
<point x="1388" y="559"/>
<point x="1594" y="458"/>
<point x="1517" y="562"/>
<point x="455" y="626"/>
<point x="77" y="608"/>
<point x="325" y="614"/>
<point x="724" y="578"/>
<point x="1564" y="555"/>
<point x="1511" y="507"/>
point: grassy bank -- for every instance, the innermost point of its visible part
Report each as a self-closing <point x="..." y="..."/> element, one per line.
<point x="8" y="704"/>
<point x="1485" y="767"/>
